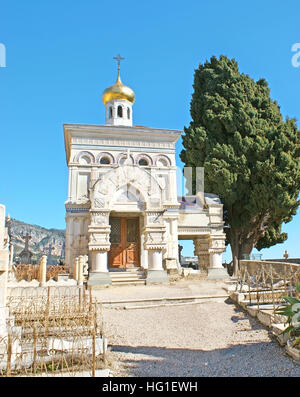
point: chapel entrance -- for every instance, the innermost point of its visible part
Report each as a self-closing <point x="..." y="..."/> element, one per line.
<point x="124" y="239"/>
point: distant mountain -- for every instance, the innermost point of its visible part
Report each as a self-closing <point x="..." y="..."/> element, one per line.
<point x="50" y="242"/>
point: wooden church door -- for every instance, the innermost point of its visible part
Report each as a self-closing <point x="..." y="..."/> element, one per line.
<point x="124" y="239"/>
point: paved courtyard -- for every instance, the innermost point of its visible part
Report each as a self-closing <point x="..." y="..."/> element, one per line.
<point x="213" y="338"/>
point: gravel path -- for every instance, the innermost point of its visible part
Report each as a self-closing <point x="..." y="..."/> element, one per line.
<point x="213" y="338"/>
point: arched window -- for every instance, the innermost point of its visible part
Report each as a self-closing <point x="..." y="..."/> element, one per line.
<point x="162" y="162"/>
<point x="84" y="160"/>
<point x="143" y="162"/>
<point x="110" y="112"/>
<point x="120" y="111"/>
<point x="105" y="160"/>
<point x="128" y="113"/>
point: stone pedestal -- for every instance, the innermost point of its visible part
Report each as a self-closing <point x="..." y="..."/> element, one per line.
<point x="171" y="266"/>
<point x="155" y="272"/>
<point x="99" y="274"/>
<point x="99" y="261"/>
<point x="220" y="273"/>
<point x="156" y="276"/>
<point x="99" y="278"/>
<point x="216" y="269"/>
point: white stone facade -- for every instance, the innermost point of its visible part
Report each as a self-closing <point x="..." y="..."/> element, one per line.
<point x="122" y="186"/>
<point x="119" y="171"/>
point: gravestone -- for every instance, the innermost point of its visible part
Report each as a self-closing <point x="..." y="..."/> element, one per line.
<point x="26" y="254"/>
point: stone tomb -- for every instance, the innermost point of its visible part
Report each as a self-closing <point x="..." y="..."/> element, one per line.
<point x="122" y="208"/>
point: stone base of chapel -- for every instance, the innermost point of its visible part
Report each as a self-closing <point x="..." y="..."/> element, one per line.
<point x="217" y="273"/>
<point x="99" y="278"/>
<point x="157" y="276"/>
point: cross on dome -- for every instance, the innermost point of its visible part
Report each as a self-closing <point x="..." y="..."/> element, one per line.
<point x="118" y="100"/>
<point x="118" y="58"/>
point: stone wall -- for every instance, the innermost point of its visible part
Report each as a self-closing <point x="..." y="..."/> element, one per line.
<point x="278" y="268"/>
<point x="282" y="260"/>
<point x="4" y="261"/>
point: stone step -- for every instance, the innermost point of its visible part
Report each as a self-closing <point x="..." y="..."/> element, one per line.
<point x="126" y="273"/>
<point x="117" y="276"/>
<point x="148" y="302"/>
<point x="129" y="282"/>
<point x="133" y="276"/>
<point x="128" y="270"/>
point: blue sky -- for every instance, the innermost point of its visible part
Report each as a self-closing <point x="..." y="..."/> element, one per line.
<point x="59" y="60"/>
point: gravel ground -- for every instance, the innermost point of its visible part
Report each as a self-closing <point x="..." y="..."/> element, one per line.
<point x="214" y="338"/>
<point x="182" y="287"/>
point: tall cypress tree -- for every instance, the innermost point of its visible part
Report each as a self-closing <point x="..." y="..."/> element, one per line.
<point x="250" y="154"/>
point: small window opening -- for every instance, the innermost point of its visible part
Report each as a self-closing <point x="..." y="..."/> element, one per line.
<point x="128" y="113"/>
<point x="120" y="111"/>
<point x="110" y="112"/>
<point x="104" y="160"/>
<point x="143" y="162"/>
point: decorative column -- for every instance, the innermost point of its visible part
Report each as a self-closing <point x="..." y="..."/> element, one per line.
<point x="171" y="259"/>
<point x="80" y="270"/>
<point x="201" y="245"/>
<point x="154" y="243"/>
<point x="144" y="253"/>
<point x="99" y="245"/>
<point x="76" y="268"/>
<point x="216" y="248"/>
<point x="43" y="270"/>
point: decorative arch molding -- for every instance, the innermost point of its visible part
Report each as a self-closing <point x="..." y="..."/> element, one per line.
<point x="129" y="193"/>
<point x="105" y="154"/>
<point x="164" y="158"/>
<point x="122" y="155"/>
<point x="143" y="156"/>
<point x="82" y="154"/>
<point x="139" y="180"/>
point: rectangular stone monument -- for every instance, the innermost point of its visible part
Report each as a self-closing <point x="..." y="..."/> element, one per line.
<point x="4" y="261"/>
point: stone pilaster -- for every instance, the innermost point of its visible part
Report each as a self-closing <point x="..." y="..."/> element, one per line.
<point x="201" y="245"/>
<point x="155" y="243"/>
<point x="80" y="270"/>
<point x="216" y="248"/>
<point x="99" y="245"/>
<point x="43" y="270"/>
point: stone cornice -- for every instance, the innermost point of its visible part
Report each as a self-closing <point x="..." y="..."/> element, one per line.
<point x="105" y="132"/>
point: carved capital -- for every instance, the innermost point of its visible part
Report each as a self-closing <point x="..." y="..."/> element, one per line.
<point x="154" y="237"/>
<point x="217" y="244"/>
<point x="99" y="218"/>
<point x="154" y="217"/>
<point x="99" y="237"/>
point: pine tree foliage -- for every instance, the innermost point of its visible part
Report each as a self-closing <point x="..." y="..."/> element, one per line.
<point x="250" y="154"/>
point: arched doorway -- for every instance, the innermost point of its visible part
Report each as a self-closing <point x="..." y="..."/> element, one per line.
<point x="125" y="242"/>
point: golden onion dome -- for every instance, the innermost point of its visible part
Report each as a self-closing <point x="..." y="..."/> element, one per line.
<point x="118" y="91"/>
